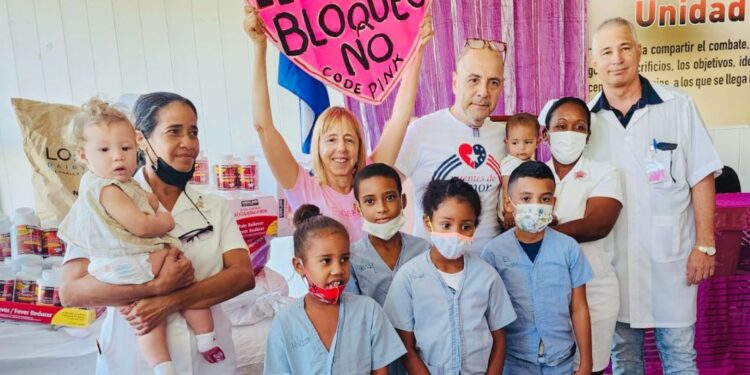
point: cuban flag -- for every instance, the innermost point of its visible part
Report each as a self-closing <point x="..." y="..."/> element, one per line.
<point x="313" y="97"/>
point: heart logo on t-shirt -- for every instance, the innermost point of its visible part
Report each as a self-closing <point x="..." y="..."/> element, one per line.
<point x="473" y="156"/>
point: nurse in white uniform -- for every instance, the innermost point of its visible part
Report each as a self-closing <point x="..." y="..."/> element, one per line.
<point x="167" y="132"/>
<point x="589" y="200"/>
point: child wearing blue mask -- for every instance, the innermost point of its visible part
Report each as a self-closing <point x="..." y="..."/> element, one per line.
<point x="328" y="331"/>
<point x="448" y="306"/>
<point x="377" y="257"/>
<point x="545" y="272"/>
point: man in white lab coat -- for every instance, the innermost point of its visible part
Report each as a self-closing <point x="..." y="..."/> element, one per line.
<point x="664" y="239"/>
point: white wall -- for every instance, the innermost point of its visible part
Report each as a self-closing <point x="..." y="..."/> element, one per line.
<point x="66" y="51"/>
<point x="733" y="145"/>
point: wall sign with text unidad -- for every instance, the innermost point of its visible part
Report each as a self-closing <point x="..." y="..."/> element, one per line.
<point x="359" y="47"/>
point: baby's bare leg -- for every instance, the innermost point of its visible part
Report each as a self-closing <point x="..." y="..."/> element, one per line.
<point x="154" y="345"/>
<point x="156" y="260"/>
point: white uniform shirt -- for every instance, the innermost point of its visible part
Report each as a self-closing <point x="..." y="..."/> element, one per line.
<point x="439" y="147"/>
<point x="588" y="179"/>
<point x="120" y="351"/>
<point x="656" y="229"/>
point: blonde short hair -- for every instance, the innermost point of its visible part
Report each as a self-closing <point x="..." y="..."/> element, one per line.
<point x="94" y="112"/>
<point x="331" y="117"/>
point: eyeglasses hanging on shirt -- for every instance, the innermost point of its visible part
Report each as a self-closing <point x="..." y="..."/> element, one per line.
<point x="199" y="233"/>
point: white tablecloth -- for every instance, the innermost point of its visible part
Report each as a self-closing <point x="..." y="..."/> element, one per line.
<point x="29" y="348"/>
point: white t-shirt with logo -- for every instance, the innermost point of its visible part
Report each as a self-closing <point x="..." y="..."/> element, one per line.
<point x="439" y="146"/>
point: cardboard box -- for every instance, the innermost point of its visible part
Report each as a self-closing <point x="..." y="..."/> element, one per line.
<point x="286" y="215"/>
<point x="257" y="217"/>
<point x="256" y="213"/>
<point x="59" y="316"/>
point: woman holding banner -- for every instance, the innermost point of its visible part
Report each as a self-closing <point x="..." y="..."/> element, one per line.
<point x="338" y="147"/>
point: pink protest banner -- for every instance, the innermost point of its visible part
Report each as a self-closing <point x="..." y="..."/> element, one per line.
<point x="359" y="47"/>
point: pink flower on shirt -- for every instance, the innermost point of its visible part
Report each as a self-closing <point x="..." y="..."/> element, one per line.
<point x="581" y="175"/>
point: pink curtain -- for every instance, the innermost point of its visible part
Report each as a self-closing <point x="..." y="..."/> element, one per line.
<point x="546" y="57"/>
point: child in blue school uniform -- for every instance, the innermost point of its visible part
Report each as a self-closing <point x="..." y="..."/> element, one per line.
<point x="376" y="258"/>
<point x="448" y="306"/>
<point x="545" y="272"/>
<point x="328" y="331"/>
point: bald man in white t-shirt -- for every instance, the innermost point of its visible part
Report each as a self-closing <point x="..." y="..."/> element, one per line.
<point x="460" y="141"/>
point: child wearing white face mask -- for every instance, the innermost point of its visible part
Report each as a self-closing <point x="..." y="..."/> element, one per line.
<point x="545" y="272"/>
<point x="448" y="306"/>
<point x="376" y="258"/>
<point x="521" y="138"/>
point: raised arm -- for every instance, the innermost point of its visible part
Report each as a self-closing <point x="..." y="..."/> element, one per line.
<point x="81" y="289"/>
<point x="395" y="128"/>
<point x="126" y="212"/>
<point x="279" y="157"/>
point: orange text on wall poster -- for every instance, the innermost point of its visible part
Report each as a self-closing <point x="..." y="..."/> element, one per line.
<point x="688" y="12"/>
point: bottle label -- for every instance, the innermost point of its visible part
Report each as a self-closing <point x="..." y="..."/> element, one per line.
<point x="51" y="244"/>
<point x="248" y="179"/>
<point x="200" y="175"/>
<point x="226" y="177"/>
<point x="25" y="291"/>
<point x="48" y="296"/>
<point x="28" y="239"/>
<point x="5" y="246"/>
<point x="6" y="290"/>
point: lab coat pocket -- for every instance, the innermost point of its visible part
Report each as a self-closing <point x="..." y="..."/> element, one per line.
<point x="666" y="241"/>
<point x="664" y="159"/>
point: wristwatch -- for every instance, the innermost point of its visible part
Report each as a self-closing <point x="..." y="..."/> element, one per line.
<point x="708" y="250"/>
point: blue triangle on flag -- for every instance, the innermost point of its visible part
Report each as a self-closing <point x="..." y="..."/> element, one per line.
<point x="311" y="91"/>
